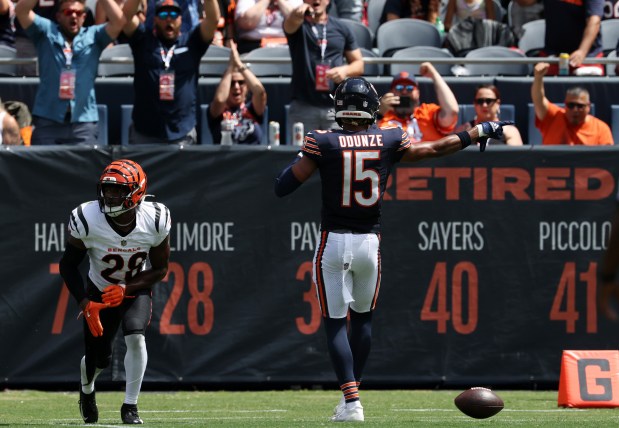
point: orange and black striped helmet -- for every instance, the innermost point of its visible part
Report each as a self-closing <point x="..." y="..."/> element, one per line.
<point x="126" y="173"/>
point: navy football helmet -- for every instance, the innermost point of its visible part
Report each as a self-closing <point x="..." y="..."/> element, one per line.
<point x="356" y="102"/>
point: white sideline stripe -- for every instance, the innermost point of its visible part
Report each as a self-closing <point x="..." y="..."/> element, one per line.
<point x="215" y="411"/>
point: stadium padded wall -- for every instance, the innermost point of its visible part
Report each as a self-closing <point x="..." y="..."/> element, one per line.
<point x="489" y="264"/>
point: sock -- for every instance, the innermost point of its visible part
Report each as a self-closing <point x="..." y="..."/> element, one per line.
<point x="87" y="387"/>
<point x="350" y="391"/>
<point x="135" y="366"/>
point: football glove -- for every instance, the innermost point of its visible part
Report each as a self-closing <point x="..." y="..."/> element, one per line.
<point x="490" y="130"/>
<point x="91" y="314"/>
<point x="113" y="295"/>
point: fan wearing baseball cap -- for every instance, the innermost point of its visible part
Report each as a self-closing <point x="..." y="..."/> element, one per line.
<point x="167" y="63"/>
<point x="401" y="107"/>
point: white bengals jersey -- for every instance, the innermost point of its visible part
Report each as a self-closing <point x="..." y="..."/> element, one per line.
<point x="115" y="259"/>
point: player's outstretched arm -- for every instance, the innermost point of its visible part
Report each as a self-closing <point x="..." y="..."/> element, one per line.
<point x="294" y="175"/>
<point x="456" y="142"/>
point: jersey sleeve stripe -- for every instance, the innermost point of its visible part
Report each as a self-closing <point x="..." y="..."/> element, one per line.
<point x="406" y="142"/>
<point x="80" y="214"/>
<point x="157" y="215"/>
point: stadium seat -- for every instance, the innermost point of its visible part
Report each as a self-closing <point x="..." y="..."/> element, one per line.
<point x="7" y="52"/>
<point x="417" y="52"/>
<point x="205" y="133"/>
<point x="374" y="69"/>
<point x="214" y="69"/>
<point x="102" y="124"/>
<point x="266" y="69"/>
<point x="534" y="136"/>
<point x="614" y="122"/>
<point x="495" y="69"/>
<point x="404" y="33"/>
<point x="121" y="51"/>
<point x="532" y="40"/>
<point x="375" y="11"/>
<point x="362" y="33"/>
<point x="611" y="68"/>
<point x="610" y="34"/>
<point x="467" y="112"/>
<point x="125" y="122"/>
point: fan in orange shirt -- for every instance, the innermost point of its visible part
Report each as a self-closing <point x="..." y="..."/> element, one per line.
<point x="423" y="122"/>
<point x="572" y="125"/>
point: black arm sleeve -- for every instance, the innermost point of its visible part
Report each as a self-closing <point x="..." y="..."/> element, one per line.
<point x="69" y="270"/>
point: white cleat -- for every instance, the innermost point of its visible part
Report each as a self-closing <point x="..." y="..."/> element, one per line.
<point x="353" y="412"/>
<point x="340" y="407"/>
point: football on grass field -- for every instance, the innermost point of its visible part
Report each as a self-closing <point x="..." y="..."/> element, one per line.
<point x="479" y="403"/>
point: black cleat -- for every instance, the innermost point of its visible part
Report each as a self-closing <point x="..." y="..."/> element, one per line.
<point x="129" y="414"/>
<point x="88" y="407"/>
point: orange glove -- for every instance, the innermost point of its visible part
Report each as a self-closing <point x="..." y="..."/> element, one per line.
<point x="91" y="314"/>
<point x="113" y="295"/>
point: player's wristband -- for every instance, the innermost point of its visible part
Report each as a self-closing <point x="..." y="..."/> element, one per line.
<point x="465" y="138"/>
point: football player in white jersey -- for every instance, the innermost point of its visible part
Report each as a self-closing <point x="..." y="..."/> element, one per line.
<point x="119" y="232"/>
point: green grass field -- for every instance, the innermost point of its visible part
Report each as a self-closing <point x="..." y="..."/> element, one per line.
<point x="401" y="408"/>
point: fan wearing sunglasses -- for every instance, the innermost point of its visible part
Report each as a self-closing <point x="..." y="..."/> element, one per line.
<point x="65" y="106"/>
<point x="572" y="125"/>
<point x="167" y="66"/>
<point x="231" y="101"/>
<point x="487" y="104"/>
<point x="401" y="106"/>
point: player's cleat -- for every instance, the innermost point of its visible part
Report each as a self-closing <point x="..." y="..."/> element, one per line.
<point x="88" y="407"/>
<point x="353" y="412"/>
<point x="340" y="406"/>
<point x="129" y="414"/>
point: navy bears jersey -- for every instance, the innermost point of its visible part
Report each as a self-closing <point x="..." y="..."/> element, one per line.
<point x="354" y="168"/>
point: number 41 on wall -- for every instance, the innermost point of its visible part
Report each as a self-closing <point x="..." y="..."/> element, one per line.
<point x="564" y="302"/>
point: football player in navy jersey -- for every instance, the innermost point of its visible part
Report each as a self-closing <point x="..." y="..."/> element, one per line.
<point x="119" y="232"/>
<point x="354" y="165"/>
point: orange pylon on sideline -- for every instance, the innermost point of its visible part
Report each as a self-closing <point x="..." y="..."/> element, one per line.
<point x="589" y="379"/>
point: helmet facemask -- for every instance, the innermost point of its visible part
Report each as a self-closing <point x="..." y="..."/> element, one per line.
<point x="115" y="199"/>
<point x="121" y="188"/>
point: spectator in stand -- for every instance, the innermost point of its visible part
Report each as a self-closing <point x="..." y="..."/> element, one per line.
<point x="424" y="122"/>
<point x="9" y="129"/>
<point x="523" y="11"/>
<point x="225" y="26"/>
<point x="324" y="52"/>
<point x="574" y="28"/>
<point x="21" y="113"/>
<point x="572" y="125"/>
<point x="348" y="9"/>
<point x="427" y="10"/>
<point x="258" y="23"/>
<point x="7" y="27"/>
<point x="191" y="11"/>
<point x="229" y="102"/>
<point x="487" y="104"/>
<point x="25" y="46"/>
<point x="459" y="10"/>
<point x="167" y="65"/>
<point x="101" y="17"/>
<point x="65" y="107"/>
